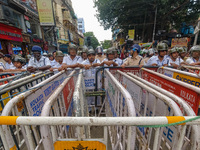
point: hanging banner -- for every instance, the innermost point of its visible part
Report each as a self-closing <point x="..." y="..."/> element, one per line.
<point x="122" y="41"/>
<point x="131" y="34"/>
<point x="81" y="41"/>
<point x="45" y="12"/>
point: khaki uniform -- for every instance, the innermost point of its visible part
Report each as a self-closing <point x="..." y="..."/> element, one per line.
<point x="100" y="58"/>
<point x="134" y="61"/>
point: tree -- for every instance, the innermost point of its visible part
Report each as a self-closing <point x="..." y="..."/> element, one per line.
<point x="140" y="15"/>
<point x="106" y="44"/>
<point x="93" y="40"/>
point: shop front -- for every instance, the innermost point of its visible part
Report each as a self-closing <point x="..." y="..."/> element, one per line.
<point x="10" y="37"/>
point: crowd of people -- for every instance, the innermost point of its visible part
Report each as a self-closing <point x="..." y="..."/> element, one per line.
<point x="90" y="58"/>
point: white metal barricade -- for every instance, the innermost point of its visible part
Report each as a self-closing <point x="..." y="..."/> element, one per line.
<point x="119" y="103"/>
<point x="60" y="103"/>
<point x="149" y="102"/>
<point x="193" y="135"/>
<point x="29" y="103"/>
<point x="187" y="92"/>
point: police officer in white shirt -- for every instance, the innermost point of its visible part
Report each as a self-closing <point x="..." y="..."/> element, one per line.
<point x="59" y="59"/>
<point x="159" y="60"/>
<point x="83" y="53"/>
<point x="117" y="59"/>
<point x="71" y="61"/>
<point x="90" y="63"/>
<point x="52" y="59"/>
<point x="110" y="61"/>
<point x="38" y="62"/>
<point x="194" y="58"/>
<point x="9" y="64"/>
<point x="174" y="60"/>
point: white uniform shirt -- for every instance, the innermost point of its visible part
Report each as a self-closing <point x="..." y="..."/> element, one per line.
<point x="191" y="60"/>
<point x="67" y="60"/>
<point x="92" y="71"/>
<point x="178" y="61"/>
<point x="118" y="61"/>
<point x="44" y="61"/>
<point x="155" y="60"/>
<point x="53" y="62"/>
<point x="80" y="60"/>
<point x="9" y="66"/>
<point x="57" y="65"/>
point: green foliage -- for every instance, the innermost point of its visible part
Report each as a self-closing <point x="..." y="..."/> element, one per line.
<point x="94" y="41"/>
<point x="106" y="44"/>
<point x="140" y="14"/>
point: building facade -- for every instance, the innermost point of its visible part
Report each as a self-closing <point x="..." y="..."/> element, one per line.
<point x="81" y="25"/>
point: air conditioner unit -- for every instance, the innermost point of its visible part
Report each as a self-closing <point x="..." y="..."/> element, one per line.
<point x="6" y="14"/>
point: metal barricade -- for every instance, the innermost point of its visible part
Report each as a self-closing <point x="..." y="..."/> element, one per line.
<point x="189" y="93"/>
<point x="119" y="103"/>
<point x="96" y="121"/>
<point x="149" y="102"/>
<point x="10" y="90"/>
<point x="60" y="103"/>
<point x="192" y="136"/>
<point x="29" y="103"/>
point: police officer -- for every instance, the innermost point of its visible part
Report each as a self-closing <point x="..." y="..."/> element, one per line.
<point x="99" y="52"/>
<point x="52" y="59"/>
<point x="149" y="55"/>
<point x="194" y="56"/>
<point x="71" y="61"/>
<point x="174" y="60"/>
<point x="182" y="52"/>
<point x="59" y="59"/>
<point x="90" y="61"/>
<point x="117" y="59"/>
<point x="83" y="53"/>
<point x="135" y="59"/>
<point x="9" y="64"/>
<point x="161" y="59"/>
<point x="19" y="63"/>
<point x="38" y="62"/>
<point x="109" y="61"/>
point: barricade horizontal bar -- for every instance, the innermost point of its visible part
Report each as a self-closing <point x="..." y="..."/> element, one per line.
<point x="95" y="121"/>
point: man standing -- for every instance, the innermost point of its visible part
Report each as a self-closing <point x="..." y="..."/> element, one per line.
<point x="135" y="59"/>
<point x="71" y="60"/>
<point x="9" y="64"/>
<point x="109" y="61"/>
<point x="160" y="59"/>
<point x="38" y="62"/>
<point x="83" y="53"/>
<point x="99" y="52"/>
<point x="174" y="60"/>
<point x="194" y="56"/>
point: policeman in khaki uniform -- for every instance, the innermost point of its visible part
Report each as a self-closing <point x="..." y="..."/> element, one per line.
<point x="135" y="59"/>
<point x="194" y="58"/>
<point x="99" y="52"/>
<point x="38" y="62"/>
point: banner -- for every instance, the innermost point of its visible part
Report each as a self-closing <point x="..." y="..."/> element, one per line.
<point x="190" y="96"/>
<point x="121" y="41"/>
<point x="180" y="42"/>
<point x="131" y="34"/>
<point x="81" y="41"/>
<point x="45" y="12"/>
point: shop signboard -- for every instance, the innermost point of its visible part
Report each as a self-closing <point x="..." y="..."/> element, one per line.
<point x="45" y="12"/>
<point x="10" y="33"/>
<point x="180" y="42"/>
<point x="131" y="34"/>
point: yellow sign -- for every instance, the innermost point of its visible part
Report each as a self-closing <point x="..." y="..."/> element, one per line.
<point x="131" y="34"/>
<point x="81" y="41"/>
<point x="4" y="101"/>
<point x="121" y="41"/>
<point x="45" y="12"/>
<point x="79" y="145"/>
